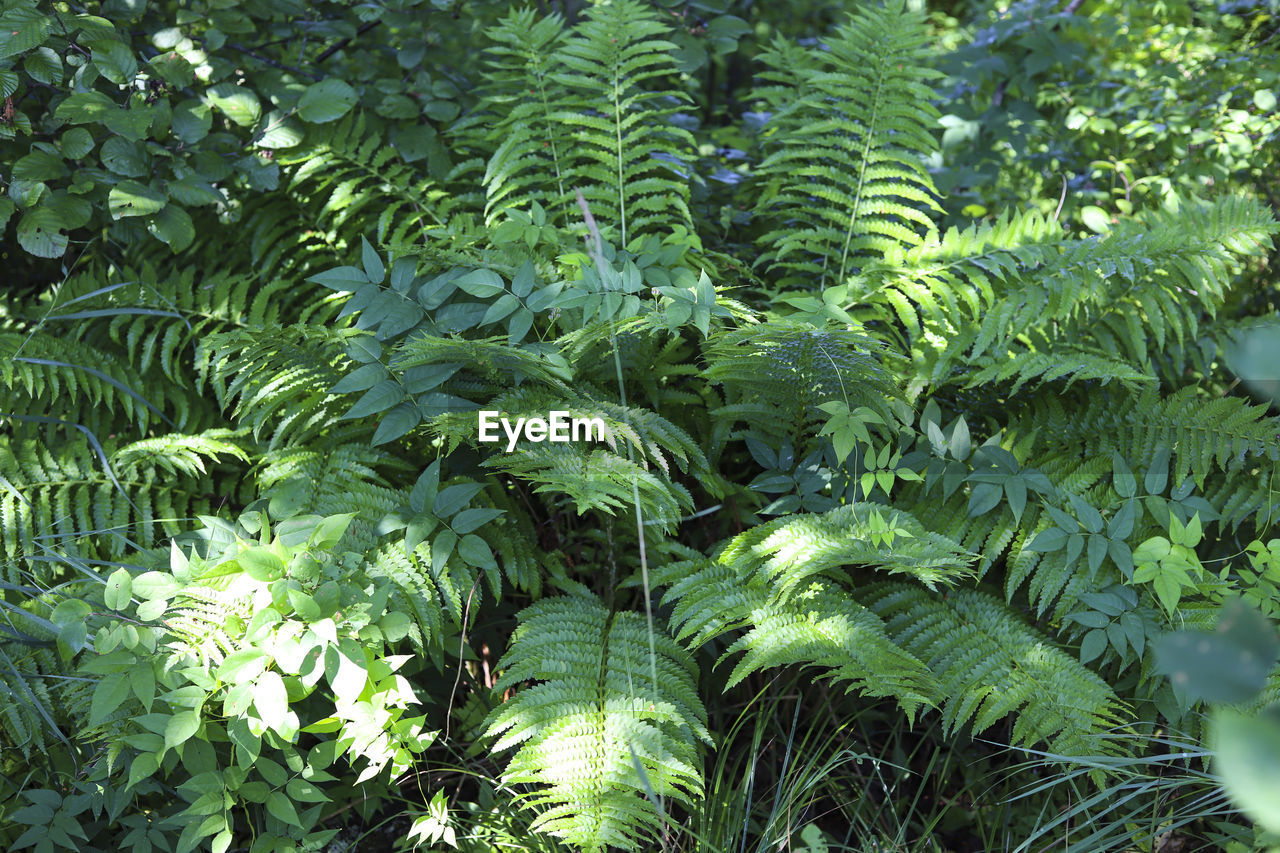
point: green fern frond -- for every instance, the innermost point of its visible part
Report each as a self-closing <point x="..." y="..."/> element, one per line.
<point x="414" y="588"/>
<point x="52" y="376"/>
<point x="845" y="174"/>
<point x="989" y="665"/>
<point x="521" y="101"/>
<point x="789" y="551"/>
<point x="351" y="182"/>
<point x="1146" y="280"/>
<point x="818" y="624"/>
<point x="278" y="378"/>
<point x="783" y="372"/>
<point x="492" y="359"/>
<point x="330" y="479"/>
<point x="62" y="499"/>
<point x="1202" y="433"/>
<point x="652" y="437"/>
<point x="1039" y="367"/>
<point x="595" y="479"/>
<point x="598" y="732"/>
<point x="630" y="161"/>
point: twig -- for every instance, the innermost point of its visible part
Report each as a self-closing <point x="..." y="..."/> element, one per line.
<point x="341" y="43"/>
<point x="266" y="60"/>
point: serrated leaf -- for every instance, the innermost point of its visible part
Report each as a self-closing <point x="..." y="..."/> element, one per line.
<point x="191" y="121"/>
<point x="237" y="103"/>
<point x="326" y="101"/>
<point x="115" y="61"/>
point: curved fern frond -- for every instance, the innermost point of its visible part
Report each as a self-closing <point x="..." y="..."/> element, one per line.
<point x="278" y="378"/>
<point x="788" y="551"/>
<point x="818" y="624"/>
<point x="1201" y="433"/>
<point x="596" y="480"/>
<point x="989" y="664"/>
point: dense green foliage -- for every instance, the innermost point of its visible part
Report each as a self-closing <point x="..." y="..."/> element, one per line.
<point x="916" y="334"/>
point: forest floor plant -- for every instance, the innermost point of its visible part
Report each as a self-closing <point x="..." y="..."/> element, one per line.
<point x="886" y="492"/>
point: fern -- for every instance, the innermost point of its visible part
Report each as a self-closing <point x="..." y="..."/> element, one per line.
<point x="278" y="378"/>
<point x="790" y="550"/>
<point x="66" y="499"/>
<point x="989" y="665"/>
<point x="845" y="180"/>
<point x="628" y="158"/>
<point x="970" y="298"/>
<point x="351" y="181"/>
<point x="530" y="144"/>
<point x="1202" y="434"/>
<point x="597" y="733"/>
<point x="776" y="375"/>
<point x="816" y="624"/>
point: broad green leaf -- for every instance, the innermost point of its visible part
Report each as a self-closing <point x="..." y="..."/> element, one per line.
<point x="374" y="269"/>
<point x="344" y="667"/>
<point x="115" y="61"/>
<point x="281" y="807"/>
<point x="39" y="166"/>
<point x="108" y="695"/>
<point x="342" y="279"/>
<point x="260" y="564"/>
<point x="119" y="590"/>
<point x="191" y="121"/>
<point x="39" y="232"/>
<point x="173" y="226"/>
<point x="271" y="699"/>
<point x="328" y="100"/>
<point x="180" y="728"/>
<point x="330" y="531"/>
<point x="1248" y="761"/>
<point x="237" y="103"/>
<point x="155" y="585"/>
<point x="130" y="198"/>
<point x="475" y="551"/>
<point x="481" y="283"/>
<point x="379" y="398"/>
<point x="1095" y="219"/>
<point x="396" y="423"/>
<point x="124" y="157"/>
<point x="86" y="107"/>
<point x="1049" y="540"/>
